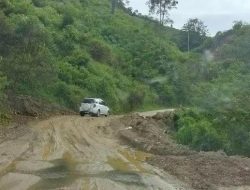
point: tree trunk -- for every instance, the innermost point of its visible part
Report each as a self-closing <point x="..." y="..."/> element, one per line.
<point x="160" y="12"/>
<point x="113" y="6"/>
<point x="163" y="14"/>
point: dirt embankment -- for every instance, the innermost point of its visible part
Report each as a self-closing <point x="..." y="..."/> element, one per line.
<point x="25" y="109"/>
<point x="31" y="107"/>
<point x="203" y="171"/>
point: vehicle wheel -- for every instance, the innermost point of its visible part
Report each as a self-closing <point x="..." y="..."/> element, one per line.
<point x="82" y="114"/>
<point x="107" y="114"/>
<point x="98" y="113"/>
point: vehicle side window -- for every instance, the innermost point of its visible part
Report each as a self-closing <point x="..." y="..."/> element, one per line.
<point x="88" y="101"/>
<point x="102" y="103"/>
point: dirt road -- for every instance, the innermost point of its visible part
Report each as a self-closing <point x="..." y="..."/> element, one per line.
<point x="70" y="152"/>
<point x="76" y="153"/>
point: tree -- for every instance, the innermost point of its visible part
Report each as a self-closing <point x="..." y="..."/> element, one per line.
<point x="161" y="8"/>
<point x="113" y="6"/>
<point x="119" y="3"/>
<point x="196" y="32"/>
<point x="237" y="25"/>
<point x="197" y="26"/>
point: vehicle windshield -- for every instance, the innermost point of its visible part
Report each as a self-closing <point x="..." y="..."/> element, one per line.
<point x="88" y="101"/>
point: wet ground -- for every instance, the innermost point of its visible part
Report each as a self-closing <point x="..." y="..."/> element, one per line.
<point x="70" y="152"/>
<point x="76" y="153"/>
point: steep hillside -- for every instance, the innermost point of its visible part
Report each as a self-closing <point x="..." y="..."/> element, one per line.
<point x="233" y="44"/>
<point x="62" y="51"/>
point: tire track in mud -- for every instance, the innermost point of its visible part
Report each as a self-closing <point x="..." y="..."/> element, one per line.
<point x="70" y="152"/>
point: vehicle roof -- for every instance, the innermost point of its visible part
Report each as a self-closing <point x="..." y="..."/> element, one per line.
<point x="97" y="99"/>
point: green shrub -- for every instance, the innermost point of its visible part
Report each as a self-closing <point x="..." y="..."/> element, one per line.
<point x="67" y="20"/>
<point x="39" y="3"/>
<point x="4" y="118"/>
<point x="79" y="59"/>
<point x="135" y="99"/>
<point x="100" y="51"/>
<point x="195" y="129"/>
<point x="207" y="138"/>
<point x="68" y="95"/>
<point x="239" y="140"/>
<point x="185" y="135"/>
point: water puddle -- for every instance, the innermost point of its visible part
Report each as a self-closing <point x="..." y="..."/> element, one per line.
<point x="136" y="158"/>
<point x="125" y="169"/>
<point x="8" y="169"/>
<point x="62" y="176"/>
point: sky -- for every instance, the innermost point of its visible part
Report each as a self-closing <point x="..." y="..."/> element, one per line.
<point x="218" y="15"/>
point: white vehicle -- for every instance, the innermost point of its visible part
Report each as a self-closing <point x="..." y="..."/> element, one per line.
<point x="94" y="107"/>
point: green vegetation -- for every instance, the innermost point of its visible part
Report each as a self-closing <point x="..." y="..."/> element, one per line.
<point x="208" y="131"/>
<point x="196" y="33"/>
<point x="63" y="51"/>
<point x="222" y="119"/>
<point x="161" y="8"/>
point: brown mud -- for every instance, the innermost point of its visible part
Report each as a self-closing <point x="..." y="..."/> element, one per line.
<point x="133" y="152"/>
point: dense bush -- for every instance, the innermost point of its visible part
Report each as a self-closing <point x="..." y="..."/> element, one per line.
<point x="196" y="130"/>
<point x="100" y="51"/>
<point x="204" y="131"/>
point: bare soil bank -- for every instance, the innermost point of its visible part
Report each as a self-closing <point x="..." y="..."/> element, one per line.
<point x="206" y="171"/>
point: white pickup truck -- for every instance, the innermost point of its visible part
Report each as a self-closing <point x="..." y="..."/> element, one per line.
<point x="94" y="107"/>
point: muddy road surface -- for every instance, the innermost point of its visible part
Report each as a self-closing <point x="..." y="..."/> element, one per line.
<point x="71" y="152"/>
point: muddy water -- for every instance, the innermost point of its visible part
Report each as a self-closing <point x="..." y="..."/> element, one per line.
<point x="65" y="172"/>
<point x="82" y="153"/>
